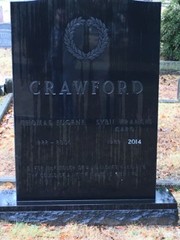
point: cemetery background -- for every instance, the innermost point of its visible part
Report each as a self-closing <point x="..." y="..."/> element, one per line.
<point x="168" y="169"/>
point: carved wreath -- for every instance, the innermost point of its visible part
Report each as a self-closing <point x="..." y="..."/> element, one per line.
<point x="102" y="41"/>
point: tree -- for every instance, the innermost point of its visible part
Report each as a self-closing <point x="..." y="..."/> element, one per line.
<point x="170" y="31"/>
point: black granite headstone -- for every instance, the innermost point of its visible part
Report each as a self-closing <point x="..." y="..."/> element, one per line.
<point x="86" y="99"/>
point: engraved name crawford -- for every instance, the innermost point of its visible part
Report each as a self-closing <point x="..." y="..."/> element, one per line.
<point x="81" y="88"/>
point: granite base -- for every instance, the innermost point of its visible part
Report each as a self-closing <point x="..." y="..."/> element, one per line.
<point x="162" y="211"/>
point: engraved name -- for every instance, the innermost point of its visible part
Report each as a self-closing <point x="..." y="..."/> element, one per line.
<point x="50" y="123"/>
<point x="130" y="122"/>
<point x="82" y="88"/>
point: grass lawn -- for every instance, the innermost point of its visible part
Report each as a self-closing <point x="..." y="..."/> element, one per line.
<point x="168" y="157"/>
<point x="21" y="231"/>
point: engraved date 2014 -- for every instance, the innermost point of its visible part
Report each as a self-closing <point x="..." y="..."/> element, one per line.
<point x="132" y="141"/>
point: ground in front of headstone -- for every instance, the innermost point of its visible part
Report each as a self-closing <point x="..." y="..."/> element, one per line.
<point x="74" y="231"/>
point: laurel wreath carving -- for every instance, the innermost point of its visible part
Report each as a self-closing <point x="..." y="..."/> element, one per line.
<point x="102" y="41"/>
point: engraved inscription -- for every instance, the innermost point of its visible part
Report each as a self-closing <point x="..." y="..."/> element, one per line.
<point x="51" y="123"/>
<point x="134" y="141"/>
<point x="119" y="123"/>
<point x="78" y="88"/>
<point x="123" y="122"/>
<point x="58" y="142"/>
<point x="114" y="142"/>
<point x="57" y="171"/>
<point x="102" y="43"/>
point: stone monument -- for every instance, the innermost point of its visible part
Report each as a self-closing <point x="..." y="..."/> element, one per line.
<point x="86" y="103"/>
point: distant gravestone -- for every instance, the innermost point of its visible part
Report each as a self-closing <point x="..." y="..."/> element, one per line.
<point x="5" y="35"/>
<point x="86" y="98"/>
<point x="1" y="14"/>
